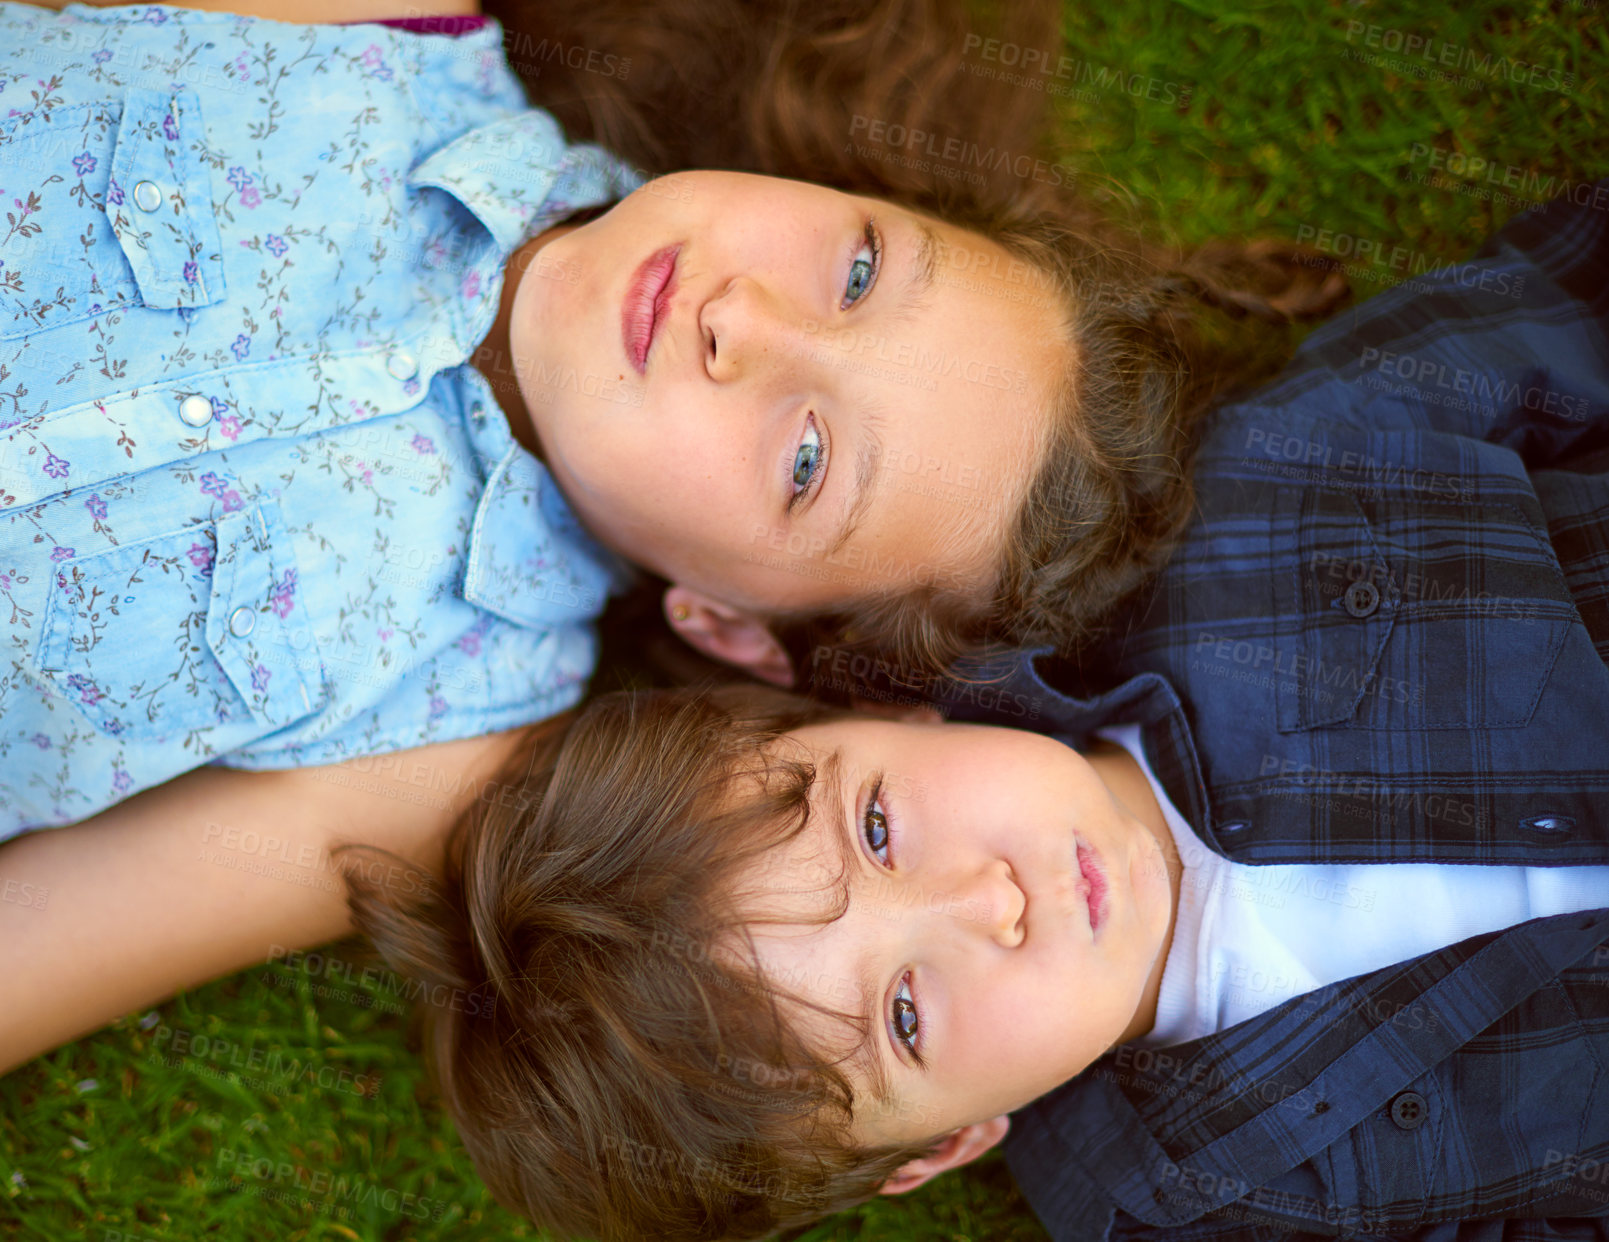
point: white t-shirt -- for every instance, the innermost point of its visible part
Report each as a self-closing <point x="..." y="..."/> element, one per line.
<point x="1249" y="938"/>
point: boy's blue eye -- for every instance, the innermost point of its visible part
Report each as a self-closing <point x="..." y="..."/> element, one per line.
<point x="874" y="827"/>
<point x="905" y="1023"/>
<point x="863" y="271"/>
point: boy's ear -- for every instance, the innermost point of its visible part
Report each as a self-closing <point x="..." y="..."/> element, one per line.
<point x="958" y="1148"/>
<point x="728" y="634"/>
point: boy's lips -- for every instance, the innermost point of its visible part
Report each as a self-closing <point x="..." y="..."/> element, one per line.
<point x="647" y="297"/>
<point x="1094" y="886"/>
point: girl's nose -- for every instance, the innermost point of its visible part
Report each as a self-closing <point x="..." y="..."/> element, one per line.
<point x="747" y="326"/>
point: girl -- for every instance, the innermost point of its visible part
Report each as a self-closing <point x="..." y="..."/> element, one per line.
<point x="257" y="510"/>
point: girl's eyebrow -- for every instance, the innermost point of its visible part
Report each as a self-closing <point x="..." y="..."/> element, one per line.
<point x="865" y="485"/>
<point x="923" y="270"/>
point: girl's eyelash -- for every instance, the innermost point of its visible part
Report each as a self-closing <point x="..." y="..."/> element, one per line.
<point x="872" y="238"/>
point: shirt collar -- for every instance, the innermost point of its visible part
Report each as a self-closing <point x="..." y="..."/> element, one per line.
<point x="529" y="559"/>
<point x="1019" y="689"/>
<point x="518" y="175"/>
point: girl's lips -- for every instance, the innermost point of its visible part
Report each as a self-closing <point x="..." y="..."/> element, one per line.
<point x="647" y="296"/>
<point x="1094" y="887"/>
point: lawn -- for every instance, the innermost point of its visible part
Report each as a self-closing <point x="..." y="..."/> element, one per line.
<point x="284" y="1103"/>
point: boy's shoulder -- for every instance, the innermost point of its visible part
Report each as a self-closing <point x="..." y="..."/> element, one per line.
<point x="1347" y="1093"/>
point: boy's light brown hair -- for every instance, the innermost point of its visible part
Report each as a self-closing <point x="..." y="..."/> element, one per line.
<point x="616" y="1070"/>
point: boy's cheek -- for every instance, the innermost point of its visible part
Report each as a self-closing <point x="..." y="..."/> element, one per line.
<point x="910" y="1119"/>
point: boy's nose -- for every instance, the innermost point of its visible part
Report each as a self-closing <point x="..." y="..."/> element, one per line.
<point x="991" y="901"/>
<point x="750" y="325"/>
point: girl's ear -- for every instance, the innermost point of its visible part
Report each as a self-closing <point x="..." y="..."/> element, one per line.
<point x="960" y="1147"/>
<point x="729" y="634"/>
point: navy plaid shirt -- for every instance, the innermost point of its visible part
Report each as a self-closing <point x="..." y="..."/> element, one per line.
<point x="1382" y="639"/>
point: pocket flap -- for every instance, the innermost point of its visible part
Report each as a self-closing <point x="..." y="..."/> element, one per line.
<point x="159" y="200"/>
<point x="191" y="630"/>
<point x="1336" y="651"/>
<point x="258" y="625"/>
<point x="1414" y="617"/>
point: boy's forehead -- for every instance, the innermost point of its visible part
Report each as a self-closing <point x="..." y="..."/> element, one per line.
<point x="791" y="916"/>
<point x="803" y="876"/>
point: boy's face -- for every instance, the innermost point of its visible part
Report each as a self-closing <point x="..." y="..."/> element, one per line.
<point x="814" y="421"/>
<point x="967" y="923"/>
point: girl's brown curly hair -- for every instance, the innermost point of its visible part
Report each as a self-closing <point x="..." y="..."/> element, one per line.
<point x="781" y="87"/>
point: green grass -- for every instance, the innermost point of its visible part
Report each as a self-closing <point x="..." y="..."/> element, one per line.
<point x="1284" y="134"/>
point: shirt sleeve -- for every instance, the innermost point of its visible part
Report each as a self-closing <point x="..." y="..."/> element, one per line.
<point x="1512" y="1229"/>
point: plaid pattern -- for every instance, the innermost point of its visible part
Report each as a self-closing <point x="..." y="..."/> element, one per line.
<point x="1460" y="1096"/>
<point x="1382" y="640"/>
<point x="1578" y="525"/>
<point x="1387" y="626"/>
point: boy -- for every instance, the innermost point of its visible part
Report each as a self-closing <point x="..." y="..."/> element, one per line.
<point x="751" y="960"/>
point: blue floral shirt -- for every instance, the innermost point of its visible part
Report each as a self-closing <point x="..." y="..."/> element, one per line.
<point x="255" y="508"/>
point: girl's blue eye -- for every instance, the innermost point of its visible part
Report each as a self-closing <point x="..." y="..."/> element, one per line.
<point x="863" y="271"/>
<point x="905" y="1022"/>
<point x="807" y="458"/>
<point x="875" y="825"/>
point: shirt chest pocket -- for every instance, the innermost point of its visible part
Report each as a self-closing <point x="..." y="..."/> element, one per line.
<point x="198" y="628"/>
<point x="116" y="211"/>
<point x="1416" y="611"/>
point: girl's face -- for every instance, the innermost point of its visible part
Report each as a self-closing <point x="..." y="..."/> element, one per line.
<point x="991" y="967"/>
<point x="840" y="396"/>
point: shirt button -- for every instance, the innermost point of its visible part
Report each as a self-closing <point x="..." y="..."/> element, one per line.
<point x="402" y="366"/>
<point x="1554" y="827"/>
<point x="242" y="621"/>
<point x="1409" y="1110"/>
<point x="477" y="411"/>
<point x="147" y="197"/>
<point x="197" y="411"/>
<point x="1361" y="599"/>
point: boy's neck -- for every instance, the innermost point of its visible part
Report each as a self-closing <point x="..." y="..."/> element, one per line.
<point x="495" y="359"/>
<point x="1128" y="783"/>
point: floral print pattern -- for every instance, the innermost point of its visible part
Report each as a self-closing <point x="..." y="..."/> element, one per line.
<point x="255" y="507"/>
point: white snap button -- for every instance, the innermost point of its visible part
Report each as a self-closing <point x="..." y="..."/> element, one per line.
<point x="147" y="197"/>
<point x="402" y="366"/>
<point x="197" y="411"/>
<point x="242" y="621"/>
